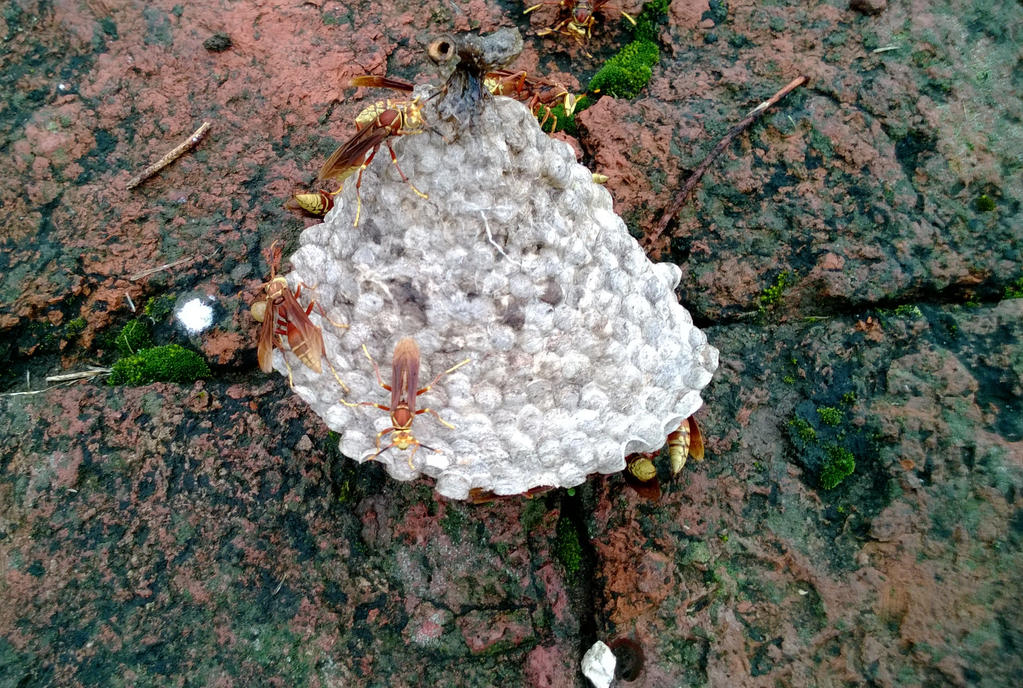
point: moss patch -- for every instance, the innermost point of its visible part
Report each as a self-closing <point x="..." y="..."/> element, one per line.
<point x="625" y="74"/>
<point x="568" y="547"/>
<point x="170" y="363"/>
<point x="649" y="21"/>
<point x="838" y="466"/>
<point x="830" y="415"/>
<point x="159" y="308"/>
<point x="133" y="337"/>
<point x="771" y="296"/>
<point x="984" y="203"/>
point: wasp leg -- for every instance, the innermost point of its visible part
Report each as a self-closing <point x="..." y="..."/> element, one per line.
<point x="394" y="159"/>
<point x="439" y="376"/>
<point x="436" y="415"/>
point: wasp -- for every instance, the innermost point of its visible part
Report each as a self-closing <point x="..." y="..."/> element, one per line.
<point x="641" y="471"/>
<point x="404" y="391"/>
<point x="576" y="18"/>
<point x="686" y="441"/>
<point x="283" y="317"/>
<point x="318" y="204"/>
<point x="375" y="125"/>
<point x="538" y="94"/>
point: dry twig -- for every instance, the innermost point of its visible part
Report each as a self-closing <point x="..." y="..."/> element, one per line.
<point x="168" y="266"/>
<point x="694" y="178"/>
<point x="180" y="150"/>
<point x="62" y="381"/>
<point x="90" y="372"/>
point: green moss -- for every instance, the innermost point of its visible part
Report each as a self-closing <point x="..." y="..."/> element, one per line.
<point x="839" y="465"/>
<point x="625" y="74"/>
<point x="830" y="415"/>
<point x="532" y="514"/>
<point x="74" y="328"/>
<point x="158" y="308"/>
<point x="649" y="21"/>
<point x="908" y="311"/>
<point x="133" y="337"/>
<point x="1015" y="290"/>
<point x="559" y="120"/>
<point x="170" y="363"/>
<point x="772" y="294"/>
<point x="984" y="203"/>
<point x="803" y="430"/>
<point x="568" y="548"/>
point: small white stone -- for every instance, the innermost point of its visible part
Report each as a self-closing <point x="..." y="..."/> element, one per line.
<point x="598" y="665"/>
<point x="196" y="315"/>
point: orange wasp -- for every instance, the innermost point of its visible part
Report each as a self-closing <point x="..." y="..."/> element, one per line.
<point x="576" y="18"/>
<point x="687" y="440"/>
<point x="404" y="391"/>
<point x="318" y="203"/>
<point x="641" y="471"/>
<point x="539" y="94"/>
<point x="287" y="319"/>
<point x="376" y="124"/>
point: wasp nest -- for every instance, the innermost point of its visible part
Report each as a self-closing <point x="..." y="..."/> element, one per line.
<point x="579" y="353"/>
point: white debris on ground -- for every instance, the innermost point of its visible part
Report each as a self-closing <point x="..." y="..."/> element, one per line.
<point x="195" y="315"/>
<point x="598" y="665"/>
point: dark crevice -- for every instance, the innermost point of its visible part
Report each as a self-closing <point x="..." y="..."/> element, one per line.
<point x="979" y="296"/>
<point x="575" y="509"/>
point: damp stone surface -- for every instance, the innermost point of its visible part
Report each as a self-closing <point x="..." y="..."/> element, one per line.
<point x="579" y="353"/>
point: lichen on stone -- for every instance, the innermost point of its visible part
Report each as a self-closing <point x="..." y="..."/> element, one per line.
<point x="579" y="351"/>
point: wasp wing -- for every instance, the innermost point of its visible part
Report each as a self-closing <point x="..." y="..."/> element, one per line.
<point x="405" y="374"/>
<point x="304" y="337"/>
<point x="373" y="81"/>
<point x="695" y="440"/>
<point x="351" y="154"/>
<point x="265" y="346"/>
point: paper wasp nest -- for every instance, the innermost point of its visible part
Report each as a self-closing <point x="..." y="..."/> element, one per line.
<point x="580" y="353"/>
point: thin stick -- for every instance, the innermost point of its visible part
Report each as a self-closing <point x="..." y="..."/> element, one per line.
<point x="694" y="178"/>
<point x="93" y="371"/>
<point x="180" y="150"/>
<point x="167" y="266"/>
<point x="62" y="381"/>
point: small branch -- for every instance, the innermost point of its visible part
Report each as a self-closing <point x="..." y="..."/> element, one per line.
<point x="694" y="178"/>
<point x="159" y="268"/>
<point x="167" y="266"/>
<point x="91" y="372"/>
<point x="62" y="381"/>
<point x="278" y="588"/>
<point x="180" y="150"/>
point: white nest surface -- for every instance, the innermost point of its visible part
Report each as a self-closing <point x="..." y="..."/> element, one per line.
<point x="579" y="351"/>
